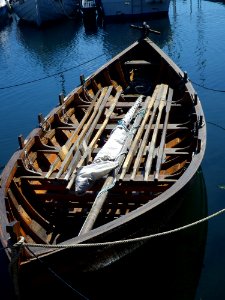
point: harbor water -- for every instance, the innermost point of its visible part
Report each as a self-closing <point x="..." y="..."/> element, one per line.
<point x="36" y="65"/>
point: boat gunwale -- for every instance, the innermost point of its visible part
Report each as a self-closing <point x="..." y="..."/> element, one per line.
<point x="96" y="233"/>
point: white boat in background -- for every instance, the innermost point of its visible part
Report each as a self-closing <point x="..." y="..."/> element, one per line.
<point x="113" y="9"/>
<point x="40" y="12"/>
<point x="4" y="11"/>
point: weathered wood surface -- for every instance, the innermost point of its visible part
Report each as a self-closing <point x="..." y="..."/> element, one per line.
<point x="152" y="143"/>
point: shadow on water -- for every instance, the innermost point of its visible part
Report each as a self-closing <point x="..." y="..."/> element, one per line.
<point x="6" y="287"/>
<point x="41" y="42"/>
<point x="167" y="267"/>
<point x="6" y="22"/>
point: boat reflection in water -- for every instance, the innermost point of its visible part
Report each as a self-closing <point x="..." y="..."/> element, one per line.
<point x="46" y="45"/>
<point x="166" y="267"/>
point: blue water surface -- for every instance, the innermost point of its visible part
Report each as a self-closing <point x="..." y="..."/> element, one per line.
<point x="36" y="65"/>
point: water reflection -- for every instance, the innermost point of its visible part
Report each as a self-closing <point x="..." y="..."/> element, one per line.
<point x="115" y="41"/>
<point x="164" y="268"/>
<point x="5" y="27"/>
<point x="46" y="45"/>
<point x="5" y="22"/>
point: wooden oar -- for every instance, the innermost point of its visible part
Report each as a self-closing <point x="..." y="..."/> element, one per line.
<point x="75" y="161"/>
<point x="158" y="90"/>
<point x="149" y="103"/>
<point x="163" y="137"/>
<point x="100" y="130"/>
<point x="74" y="136"/>
<point x="87" y="131"/>
<point x="110" y="180"/>
<point x="149" y="160"/>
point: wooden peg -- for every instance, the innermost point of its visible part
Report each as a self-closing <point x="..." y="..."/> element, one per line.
<point x="21" y="141"/>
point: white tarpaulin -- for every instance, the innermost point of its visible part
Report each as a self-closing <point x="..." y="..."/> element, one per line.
<point x="107" y="158"/>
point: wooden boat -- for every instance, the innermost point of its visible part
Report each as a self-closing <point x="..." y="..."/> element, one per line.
<point x="73" y="181"/>
<point x="41" y="12"/>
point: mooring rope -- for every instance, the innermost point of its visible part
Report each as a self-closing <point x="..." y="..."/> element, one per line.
<point x="138" y="239"/>
<point x="52" y="75"/>
<point x="18" y="246"/>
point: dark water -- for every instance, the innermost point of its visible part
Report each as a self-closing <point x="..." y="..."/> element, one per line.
<point x="37" y="65"/>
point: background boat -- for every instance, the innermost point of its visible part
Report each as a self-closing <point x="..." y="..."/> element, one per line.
<point x="41" y="12"/>
<point x="134" y="9"/>
<point x="100" y="11"/>
<point x="5" y="11"/>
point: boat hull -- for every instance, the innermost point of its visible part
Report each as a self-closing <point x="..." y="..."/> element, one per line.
<point x="134" y="9"/>
<point x="162" y="152"/>
<point x="40" y="12"/>
<point x="109" y="261"/>
<point x="4" y="12"/>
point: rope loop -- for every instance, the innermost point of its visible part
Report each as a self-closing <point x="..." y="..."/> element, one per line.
<point x="19" y="243"/>
<point x="122" y="124"/>
<point x="46" y="127"/>
<point x="28" y="163"/>
<point x="65" y="115"/>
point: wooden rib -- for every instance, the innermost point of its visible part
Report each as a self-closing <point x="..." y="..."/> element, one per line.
<point x="157" y="93"/>
<point x="43" y="146"/>
<point x="163" y="137"/>
<point x="70" y="160"/>
<point x="78" y="129"/>
<point x="35" y="215"/>
<point x="107" y="76"/>
<point x="155" y="132"/>
<point x="36" y="231"/>
<point x="121" y="73"/>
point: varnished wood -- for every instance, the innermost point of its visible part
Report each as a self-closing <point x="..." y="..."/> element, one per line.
<point x="164" y="148"/>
